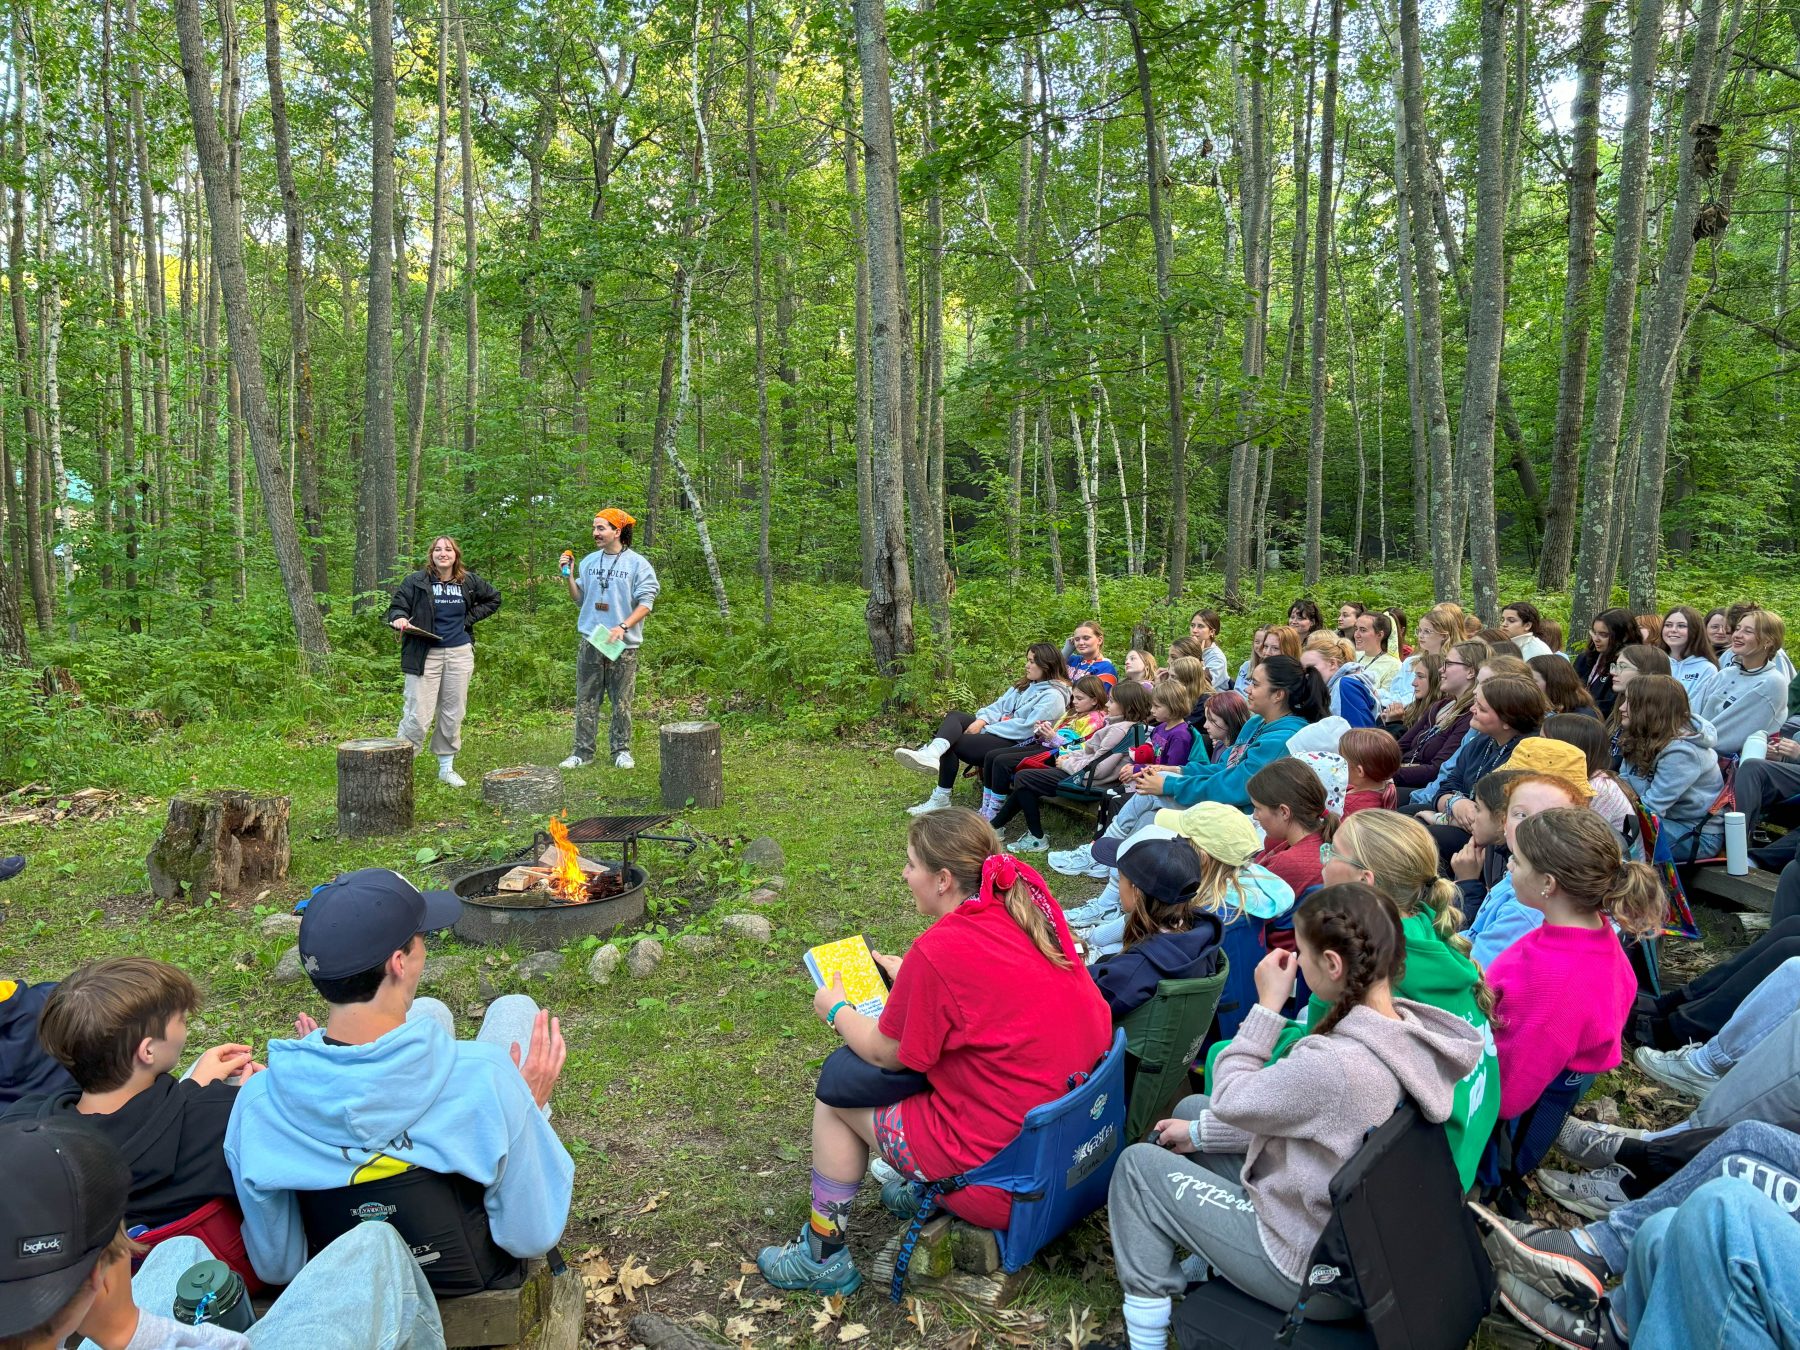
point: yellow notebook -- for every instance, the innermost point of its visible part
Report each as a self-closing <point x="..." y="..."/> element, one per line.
<point x="854" y="959"/>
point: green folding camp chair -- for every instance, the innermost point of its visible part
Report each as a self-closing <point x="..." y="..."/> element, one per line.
<point x="1162" y="1038"/>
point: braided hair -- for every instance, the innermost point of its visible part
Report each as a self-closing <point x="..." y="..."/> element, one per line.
<point x="1362" y="926"/>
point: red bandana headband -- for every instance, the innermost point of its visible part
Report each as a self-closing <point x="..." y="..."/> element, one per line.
<point x="1001" y="872"/>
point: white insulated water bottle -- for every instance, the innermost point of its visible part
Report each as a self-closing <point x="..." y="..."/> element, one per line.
<point x="1756" y="746"/>
<point x="1737" y="844"/>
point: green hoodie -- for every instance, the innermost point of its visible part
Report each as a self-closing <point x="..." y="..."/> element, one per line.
<point x="1443" y="978"/>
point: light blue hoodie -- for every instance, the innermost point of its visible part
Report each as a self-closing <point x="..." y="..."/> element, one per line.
<point x="322" y="1113"/>
<point x="1693" y="672"/>
<point x="1015" y="714"/>
<point x="1685" y="780"/>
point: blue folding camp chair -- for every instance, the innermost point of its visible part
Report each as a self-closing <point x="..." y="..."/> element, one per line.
<point x="1057" y="1169"/>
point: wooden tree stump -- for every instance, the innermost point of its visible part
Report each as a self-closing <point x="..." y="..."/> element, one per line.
<point x="228" y="840"/>
<point x="528" y="790"/>
<point x="375" y="787"/>
<point x="693" y="764"/>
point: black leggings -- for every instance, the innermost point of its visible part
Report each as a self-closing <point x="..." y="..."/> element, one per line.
<point x="1029" y="788"/>
<point x="1699" y="1009"/>
<point x="964" y="748"/>
<point x="998" y="768"/>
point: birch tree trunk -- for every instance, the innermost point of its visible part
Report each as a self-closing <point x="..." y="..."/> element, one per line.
<point x="1487" y="312"/>
<point x="1571" y="392"/>
<point x="1446" y="570"/>
<point x="1666" y="318"/>
<point x="155" y="307"/>
<point x="122" y="331"/>
<point x="865" y="486"/>
<point x="228" y="259"/>
<point x="889" y="609"/>
<point x="1593" y="573"/>
<point x="1315" y="456"/>
<point x="1046" y="443"/>
<point x="766" y="466"/>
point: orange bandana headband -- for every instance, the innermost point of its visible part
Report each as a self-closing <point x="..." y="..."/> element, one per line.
<point x="615" y="517"/>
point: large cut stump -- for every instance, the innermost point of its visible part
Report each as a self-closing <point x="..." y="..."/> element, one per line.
<point x="375" y="787"/>
<point x="693" y="765"/>
<point x="228" y="840"/>
<point x="528" y="790"/>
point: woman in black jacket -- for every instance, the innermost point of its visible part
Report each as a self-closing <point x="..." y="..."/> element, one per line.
<point x="434" y="611"/>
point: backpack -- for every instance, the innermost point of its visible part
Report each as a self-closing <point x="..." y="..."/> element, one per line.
<point x="1400" y="1246"/>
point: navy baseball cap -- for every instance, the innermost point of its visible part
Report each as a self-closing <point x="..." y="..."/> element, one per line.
<point x="358" y="919"/>
<point x="66" y="1188"/>
<point x="1161" y="864"/>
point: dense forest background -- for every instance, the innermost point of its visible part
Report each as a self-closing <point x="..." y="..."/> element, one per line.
<point x="884" y="303"/>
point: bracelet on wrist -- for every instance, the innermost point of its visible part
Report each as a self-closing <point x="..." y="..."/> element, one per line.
<point x="836" y="1008"/>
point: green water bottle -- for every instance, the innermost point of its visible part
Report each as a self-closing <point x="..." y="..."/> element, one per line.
<point x="211" y="1293"/>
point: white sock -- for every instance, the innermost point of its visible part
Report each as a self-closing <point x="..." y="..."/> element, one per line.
<point x="1147" y="1321"/>
<point x="935" y="746"/>
<point x="446" y="763"/>
<point x="940" y="794"/>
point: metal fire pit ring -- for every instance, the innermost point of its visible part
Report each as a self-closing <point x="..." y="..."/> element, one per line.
<point x="542" y="927"/>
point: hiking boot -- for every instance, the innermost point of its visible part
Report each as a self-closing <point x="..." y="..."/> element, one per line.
<point x="901" y="1197"/>
<point x="795" y="1267"/>
<point x="1028" y="843"/>
<point x="11" y="866"/>
<point x="1592" y="1145"/>
<point x="1676" y="1069"/>
<point x="1593" y="1195"/>
<point x="1071" y="862"/>
<point x="937" y="801"/>
<point x="1558" y="1323"/>
<point x="1546" y="1259"/>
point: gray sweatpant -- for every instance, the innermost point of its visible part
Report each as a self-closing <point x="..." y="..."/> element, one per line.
<point x="1161" y="1201"/>
<point x="507" y="1022"/>
<point x="1766" y="1156"/>
<point x="615" y="681"/>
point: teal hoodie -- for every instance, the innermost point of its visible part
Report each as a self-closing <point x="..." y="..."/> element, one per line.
<point x="1227" y="780"/>
<point x="322" y="1116"/>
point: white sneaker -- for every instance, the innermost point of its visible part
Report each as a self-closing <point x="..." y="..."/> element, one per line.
<point x="1028" y="843"/>
<point x="880" y="1170"/>
<point x="1676" y="1069"/>
<point x="1593" y="1195"/>
<point x="922" y="760"/>
<point x="451" y="777"/>
<point x="1072" y="862"/>
<point x="572" y="762"/>
<point x="623" y="760"/>
<point x="937" y="801"/>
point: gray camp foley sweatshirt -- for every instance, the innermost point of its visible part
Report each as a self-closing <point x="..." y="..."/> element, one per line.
<point x="1301" y="1118"/>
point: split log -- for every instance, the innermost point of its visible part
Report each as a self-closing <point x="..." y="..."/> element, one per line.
<point x="375" y="787"/>
<point x="527" y="790"/>
<point x="228" y="840"/>
<point x="693" y="764"/>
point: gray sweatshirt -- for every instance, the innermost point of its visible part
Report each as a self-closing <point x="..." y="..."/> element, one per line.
<point x="1301" y="1118"/>
<point x="1685" y="780"/>
<point x="1015" y="714"/>
<point x="1737" y="702"/>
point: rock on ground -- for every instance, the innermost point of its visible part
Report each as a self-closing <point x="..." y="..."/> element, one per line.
<point x="539" y="966"/>
<point x="644" y="958"/>
<point x="697" y="944"/>
<point x="605" y="962"/>
<point x="764" y="896"/>
<point x="280" y="925"/>
<point x="440" y="968"/>
<point x="752" y="927"/>
<point x="763" y="854"/>
<point x="288" y="969"/>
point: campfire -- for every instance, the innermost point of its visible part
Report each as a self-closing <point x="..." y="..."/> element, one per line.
<point x="565" y="877"/>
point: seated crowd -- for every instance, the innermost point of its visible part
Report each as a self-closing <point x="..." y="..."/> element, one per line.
<point x="1406" y="874"/>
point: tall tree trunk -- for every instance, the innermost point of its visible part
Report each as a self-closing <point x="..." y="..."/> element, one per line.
<point x="228" y="260"/>
<point x="865" y="485"/>
<point x="619" y="79"/>
<point x="1021" y="401"/>
<point x="378" y="519"/>
<point x="234" y="480"/>
<point x="155" y="306"/>
<point x="123" y="332"/>
<point x="1047" y="441"/>
<point x="306" y="453"/>
<point x="1315" y="458"/>
<point x="1163" y="243"/>
<point x="1487" y="312"/>
<point x="434" y="271"/>
<point x="766" y="467"/>
<point x="889" y="608"/>
<point x="931" y="288"/>
<point x="1593" y="573"/>
<point x="1446" y="570"/>
<point x="1571" y="392"/>
<point x="1666" y="317"/>
<point x="471" y="317"/>
<point x="1409" y="317"/>
<point x="1250" y="150"/>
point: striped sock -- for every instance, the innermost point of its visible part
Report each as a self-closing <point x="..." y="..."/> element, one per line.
<point x="830" y="1210"/>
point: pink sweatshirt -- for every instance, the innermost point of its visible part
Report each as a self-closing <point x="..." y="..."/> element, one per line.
<point x="1562" y="998"/>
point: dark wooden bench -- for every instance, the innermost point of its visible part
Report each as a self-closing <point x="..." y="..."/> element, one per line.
<point x="1753" y="891"/>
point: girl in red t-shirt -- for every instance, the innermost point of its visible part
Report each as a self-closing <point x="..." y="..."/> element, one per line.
<point x="1288" y="801"/>
<point x="991" y="1004"/>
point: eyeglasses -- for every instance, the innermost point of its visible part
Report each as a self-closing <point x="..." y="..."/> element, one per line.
<point x="1464" y="664"/>
<point x="1327" y="854"/>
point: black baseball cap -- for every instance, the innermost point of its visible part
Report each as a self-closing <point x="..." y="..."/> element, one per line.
<point x="1160" y="863"/>
<point x="66" y="1188"/>
<point x="358" y="919"/>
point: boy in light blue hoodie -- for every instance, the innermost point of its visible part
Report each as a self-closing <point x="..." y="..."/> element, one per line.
<point x="384" y="1086"/>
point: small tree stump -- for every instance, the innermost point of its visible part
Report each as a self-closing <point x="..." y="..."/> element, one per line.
<point x="528" y="790"/>
<point x="693" y="765"/>
<point x="375" y="787"/>
<point x="228" y="840"/>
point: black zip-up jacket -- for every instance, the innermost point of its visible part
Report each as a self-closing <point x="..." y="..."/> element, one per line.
<point x="412" y="602"/>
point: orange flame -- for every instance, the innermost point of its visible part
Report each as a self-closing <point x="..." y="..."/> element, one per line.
<point x="566" y="876"/>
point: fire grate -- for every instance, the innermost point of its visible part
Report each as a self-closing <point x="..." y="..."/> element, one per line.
<point x="625" y="831"/>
